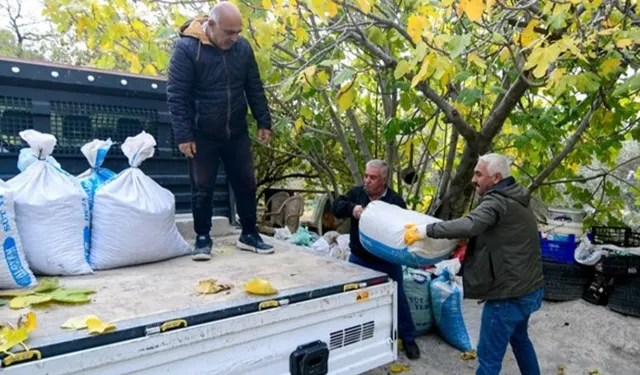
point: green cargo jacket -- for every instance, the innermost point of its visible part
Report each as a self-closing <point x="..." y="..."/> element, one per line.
<point x="503" y="257"/>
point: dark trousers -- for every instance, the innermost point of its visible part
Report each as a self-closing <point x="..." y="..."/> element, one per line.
<point x="237" y="159"/>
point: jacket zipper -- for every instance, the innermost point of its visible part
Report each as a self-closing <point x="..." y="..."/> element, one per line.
<point x="224" y="61"/>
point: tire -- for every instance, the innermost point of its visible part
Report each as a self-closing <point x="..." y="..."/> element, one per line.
<point x="565" y="282"/>
<point x="625" y="297"/>
<point x="621" y="265"/>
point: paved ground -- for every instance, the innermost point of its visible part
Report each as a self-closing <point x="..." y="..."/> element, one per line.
<point x="580" y="336"/>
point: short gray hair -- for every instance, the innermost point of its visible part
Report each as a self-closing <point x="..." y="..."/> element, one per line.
<point x="378" y="163"/>
<point x="220" y="8"/>
<point x="496" y="163"/>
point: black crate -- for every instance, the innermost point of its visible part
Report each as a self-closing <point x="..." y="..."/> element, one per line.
<point x="610" y="235"/>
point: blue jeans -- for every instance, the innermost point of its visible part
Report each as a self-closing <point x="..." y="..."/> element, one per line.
<point x="406" y="328"/>
<point x="503" y="322"/>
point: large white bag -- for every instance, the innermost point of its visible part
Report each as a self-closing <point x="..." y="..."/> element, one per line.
<point x="52" y="213"/>
<point x="14" y="270"/>
<point x="382" y="234"/>
<point x="134" y="217"/>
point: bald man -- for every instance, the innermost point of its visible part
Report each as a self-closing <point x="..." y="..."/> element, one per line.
<point x="213" y="79"/>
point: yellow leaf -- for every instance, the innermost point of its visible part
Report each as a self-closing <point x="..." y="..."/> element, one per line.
<point x="301" y="35"/>
<point x="468" y="356"/>
<point x="77" y="322"/>
<point x="416" y="26"/>
<point x="28" y="321"/>
<point x="423" y="71"/>
<point x="150" y="70"/>
<point x="97" y="326"/>
<point x="365" y="6"/>
<point x="623" y="43"/>
<point x="14" y="293"/>
<point x="345" y="99"/>
<point x="267" y="4"/>
<point x="541" y="57"/>
<point x="26" y="301"/>
<point x="211" y="287"/>
<point x="298" y="125"/>
<point x="260" y="287"/>
<point x="323" y="77"/>
<point x="397" y="368"/>
<point x="12" y="337"/>
<point x="474" y="58"/>
<point x="609" y="65"/>
<point x="310" y="72"/>
<point x="528" y="35"/>
<point x="332" y="8"/>
<point x="136" y="67"/>
<point x="504" y="54"/>
<point x="402" y="68"/>
<point x="473" y="9"/>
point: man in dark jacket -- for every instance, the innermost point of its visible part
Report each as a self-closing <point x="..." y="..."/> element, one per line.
<point x="351" y="205"/>
<point x="502" y="265"/>
<point x="213" y="75"/>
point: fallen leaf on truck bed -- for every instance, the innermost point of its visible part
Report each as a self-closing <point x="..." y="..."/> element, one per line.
<point x="210" y="286"/>
<point x="224" y="250"/>
<point x="47" y="284"/>
<point x="561" y="369"/>
<point x="397" y="368"/>
<point x="26" y="301"/>
<point x="77" y="322"/>
<point x="10" y="337"/>
<point x="97" y="326"/>
<point x="260" y="287"/>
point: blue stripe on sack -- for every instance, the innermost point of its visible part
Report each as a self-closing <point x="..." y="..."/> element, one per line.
<point x="400" y="256"/>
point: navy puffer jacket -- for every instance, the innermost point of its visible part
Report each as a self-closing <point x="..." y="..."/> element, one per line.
<point x="208" y="89"/>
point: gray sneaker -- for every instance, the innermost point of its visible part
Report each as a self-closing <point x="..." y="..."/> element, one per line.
<point x="202" y="250"/>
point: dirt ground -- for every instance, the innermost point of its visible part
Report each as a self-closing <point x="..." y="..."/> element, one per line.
<point x="580" y="336"/>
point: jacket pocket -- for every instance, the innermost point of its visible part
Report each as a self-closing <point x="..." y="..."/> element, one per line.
<point x="479" y="272"/>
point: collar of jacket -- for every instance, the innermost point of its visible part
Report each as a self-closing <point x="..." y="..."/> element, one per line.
<point x="193" y="28"/>
<point x="506" y="182"/>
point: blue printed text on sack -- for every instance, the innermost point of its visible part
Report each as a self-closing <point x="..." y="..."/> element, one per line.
<point x="4" y="218"/>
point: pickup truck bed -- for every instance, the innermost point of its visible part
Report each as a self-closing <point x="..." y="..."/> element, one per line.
<point x="140" y="300"/>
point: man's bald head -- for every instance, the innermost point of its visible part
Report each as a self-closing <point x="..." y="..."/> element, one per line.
<point x="225" y="25"/>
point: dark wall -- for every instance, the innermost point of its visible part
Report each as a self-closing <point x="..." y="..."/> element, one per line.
<point x="78" y="105"/>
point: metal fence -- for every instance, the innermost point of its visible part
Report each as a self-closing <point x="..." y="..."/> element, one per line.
<point x="78" y="105"/>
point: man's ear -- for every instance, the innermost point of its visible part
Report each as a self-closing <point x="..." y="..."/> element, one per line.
<point x="211" y="22"/>
<point x="497" y="177"/>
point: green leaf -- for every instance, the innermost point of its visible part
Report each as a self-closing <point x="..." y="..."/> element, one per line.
<point x="3" y="302"/>
<point x="306" y="112"/>
<point x="342" y="77"/>
<point x="46" y="285"/>
<point x="462" y="76"/>
<point x="391" y="129"/>
<point x="631" y="84"/>
<point x="165" y="33"/>
<point x="587" y="82"/>
<point x="497" y="38"/>
<point x="458" y="44"/>
<point x="497" y="90"/>
<point x="469" y="96"/>
<point x="402" y="68"/>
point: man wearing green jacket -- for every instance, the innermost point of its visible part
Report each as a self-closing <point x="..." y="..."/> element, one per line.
<point x="502" y="266"/>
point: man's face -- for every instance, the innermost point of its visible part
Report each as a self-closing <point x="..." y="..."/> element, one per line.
<point x="226" y="32"/>
<point x="482" y="180"/>
<point x="374" y="182"/>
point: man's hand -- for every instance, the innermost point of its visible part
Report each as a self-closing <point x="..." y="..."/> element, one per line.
<point x="414" y="233"/>
<point x="188" y="149"/>
<point x="357" y="211"/>
<point x="264" y="135"/>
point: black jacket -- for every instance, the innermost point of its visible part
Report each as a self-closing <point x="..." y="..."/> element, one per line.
<point x="503" y="257"/>
<point x="208" y="89"/>
<point x="343" y="208"/>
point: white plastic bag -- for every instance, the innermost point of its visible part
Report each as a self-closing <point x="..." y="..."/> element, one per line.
<point x="52" y="213"/>
<point x="587" y="254"/>
<point x="14" y="269"/>
<point x="382" y="233"/>
<point x="134" y="217"/>
<point x="94" y="177"/>
<point x="321" y="246"/>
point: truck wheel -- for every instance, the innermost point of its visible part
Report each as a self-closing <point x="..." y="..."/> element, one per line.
<point x="625" y="297"/>
<point x="564" y="282"/>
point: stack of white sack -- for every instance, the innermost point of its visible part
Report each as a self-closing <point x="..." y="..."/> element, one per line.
<point x="52" y="212"/>
<point x="382" y="228"/>
<point x="133" y="219"/>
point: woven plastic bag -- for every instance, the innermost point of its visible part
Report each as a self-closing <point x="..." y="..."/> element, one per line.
<point x="94" y="177"/>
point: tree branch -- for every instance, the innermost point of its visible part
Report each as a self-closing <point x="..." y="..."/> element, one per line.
<point x="537" y="182"/>
<point x="589" y="178"/>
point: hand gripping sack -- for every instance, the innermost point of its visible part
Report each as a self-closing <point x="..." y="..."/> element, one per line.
<point x="14" y="270"/>
<point x="382" y="234"/>
<point x="133" y="219"/>
<point x="52" y="213"/>
<point x="416" y="287"/>
<point x="94" y="177"/>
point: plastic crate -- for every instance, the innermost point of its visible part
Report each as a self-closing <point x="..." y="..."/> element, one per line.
<point x="601" y="235"/>
<point x="558" y="251"/>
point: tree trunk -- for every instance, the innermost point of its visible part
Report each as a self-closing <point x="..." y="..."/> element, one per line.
<point x="357" y="130"/>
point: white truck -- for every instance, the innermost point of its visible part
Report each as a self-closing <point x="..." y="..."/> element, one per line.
<point x="329" y="317"/>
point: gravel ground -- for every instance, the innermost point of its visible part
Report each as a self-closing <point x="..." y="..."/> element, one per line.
<point x="580" y="336"/>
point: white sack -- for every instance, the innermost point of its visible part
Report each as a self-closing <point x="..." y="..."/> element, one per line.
<point x="382" y="234"/>
<point x="14" y="269"/>
<point x="52" y="213"/>
<point x="94" y="177"/>
<point x="134" y="217"/>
